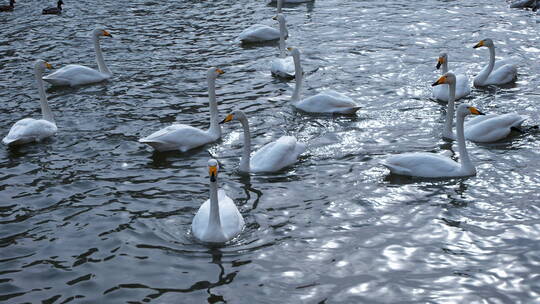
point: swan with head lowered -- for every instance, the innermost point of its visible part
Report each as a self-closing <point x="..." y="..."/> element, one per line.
<point x="28" y="129"/>
<point x="217" y="220"/>
<point x="283" y="66"/>
<point x="183" y="137"/>
<point x="325" y="102"/>
<point x="497" y="73"/>
<point x="273" y="156"/>
<point x="484" y="128"/>
<point x="430" y="165"/>
<point x="463" y="88"/>
<point x="261" y="32"/>
<point x="74" y="74"/>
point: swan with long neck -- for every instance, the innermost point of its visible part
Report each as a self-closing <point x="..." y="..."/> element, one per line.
<point x="430" y="165"/>
<point x="261" y="32"/>
<point x="183" y="137"/>
<point x="28" y="129"/>
<point x="496" y="73"/>
<point x="282" y="66"/>
<point x="273" y="156"/>
<point x="328" y="101"/>
<point x="218" y="219"/>
<point x="74" y="74"/>
<point x="462" y="82"/>
<point x="484" y="128"/>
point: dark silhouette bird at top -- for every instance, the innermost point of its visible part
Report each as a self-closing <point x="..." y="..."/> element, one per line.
<point x="54" y="10"/>
<point x="8" y="8"/>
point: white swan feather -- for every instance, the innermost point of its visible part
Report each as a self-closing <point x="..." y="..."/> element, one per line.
<point x="463" y="87"/>
<point x="495" y="73"/>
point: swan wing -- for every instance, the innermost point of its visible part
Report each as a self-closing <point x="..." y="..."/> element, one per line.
<point x="277" y="155"/>
<point x="259" y="32"/>
<point x="232" y="221"/>
<point x="504" y="74"/>
<point x="493" y="128"/>
<point x="328" y="102"/>
<point x="74" y="75"/>
<point x="178" y="137"/>
<point x="29" y="130"/>
<point x="422" y="164"/>
<point x="201" y="220"/>
<point x="463" y="88"/>
<point x="283" y="67"/>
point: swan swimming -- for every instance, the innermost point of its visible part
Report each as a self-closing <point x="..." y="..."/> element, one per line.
<point x="218" y="219"/>
<point x="500" y="72"/>
<point x="283" y="66"/>
<point x="29" y="129"/>
<point x="74" y="74"/>
<point x="261" y="32"/>
<point x="183" y="137"/>
<point x="273" y="156"/>
<point x="463" y="88"/>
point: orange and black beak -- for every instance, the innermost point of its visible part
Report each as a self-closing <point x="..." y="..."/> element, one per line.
<point x="212" y="170"/>
<point x="439" y="81"/>
<point x="475" y="111"/>
<point x="479" y="44"/>
<point x="440" y="62"/>
<point x="227" y="119"/>
<point x="105" y="33"/>
<point x="220" y="71"/>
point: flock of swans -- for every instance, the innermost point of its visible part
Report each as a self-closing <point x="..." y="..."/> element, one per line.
<point x="218" y="219"/>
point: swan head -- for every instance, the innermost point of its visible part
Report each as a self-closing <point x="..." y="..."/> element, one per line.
<point x="442" y="59"/>
<point x="294" y="51"/>
<point x="236" y="115"/>
<point x="214" y="72"/>
<point x="280" y="18"/>
<point x="213" y="168"/>
<point x="465" y="110"/>
<point x="100" y="32"/>
<point x="448" y="78"/>
<point x="484" y="42"/>
<point x="42" y="65"/>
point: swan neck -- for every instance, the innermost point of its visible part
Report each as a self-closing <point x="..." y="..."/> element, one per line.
<point x="279" y="6"/>
<point x="444" y="67"/>
<point x="99" y="56"/>
<point x="466" y="163"/>
<point x="214" y="222"/>
<point x="45" y="109"/>
<point x="246" y="152"/>
<point x="482" y="77"/>
<point x="298" y="78"/>
<point x="448" y="133"/>
<point x="215" y="129"/>
<point x="282" y="33"/>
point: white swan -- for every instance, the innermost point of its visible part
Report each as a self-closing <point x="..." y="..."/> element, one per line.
<point x="462" y="82"/>
<point x="283" y="66"/>
<point x="261" y="32"/>
<point x="28" y="129"/>
<point x="325" y="102"/>
<point x="74" y="74"/>
<point x="485" y="128"/>
<point x="499" y="72"/>
<point x="217" y="220"/>
<point x="273" y="156"/>
<point x="183" y="137"/>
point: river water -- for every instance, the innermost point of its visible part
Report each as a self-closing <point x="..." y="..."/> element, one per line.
<point x="92" y="216"/>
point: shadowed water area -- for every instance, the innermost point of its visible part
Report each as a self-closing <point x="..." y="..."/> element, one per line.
<point x="93" y="216"/>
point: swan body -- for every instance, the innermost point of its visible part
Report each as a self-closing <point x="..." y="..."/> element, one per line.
<point x="431" y="165"/>
<point x="74" y="74"/>
<point x="54" y="10"/>
<point x="29" y="129"/>
<point x="218" y="219"/>
<point x="8" y="8"/>
<point x="184" y="137"/>
<point x="282" y="66"/>
<point x="273" y="156"/>
<point x="462" y="82"/>
<point x="493" y="73"/>
<point x="261" y="32"/>
<point x="325" y="102"/>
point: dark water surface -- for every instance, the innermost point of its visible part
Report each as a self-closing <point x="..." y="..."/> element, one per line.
<point x="92" y="216"/>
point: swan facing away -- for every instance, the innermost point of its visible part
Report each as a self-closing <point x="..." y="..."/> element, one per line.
<point x="462" y="82"/>
<point x="217" y="220"/>
<point x="74" y="74"/>
<point x="263" y="33"/>
<point x="183" y="137"/>
<point x="325" y="102"/>
<point x="283" y="66"/>
<point x="497" y="73"/>
<point x="28" y="129"/>
<point x="273" y="156"/>
<point x="485" y="128"/>
<point x="54" y="10"/>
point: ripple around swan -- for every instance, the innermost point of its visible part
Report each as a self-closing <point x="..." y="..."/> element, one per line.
<point x="92" y="215"/>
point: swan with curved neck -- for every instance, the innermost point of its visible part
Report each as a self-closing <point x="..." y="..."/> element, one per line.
<point x="74" y="74"/>
<point x="28" y="129"/>
<point x="183" y="137"/>
<point x="430" y="165"/>
<point x="217" y="220"/>
<point x="282" y="66"/>
<point x="496" y="73"/>
<point x="273" y="156"/>
<point x="325" y="102"/>
<point x="462" y="82"/>
<point x="261" y="32"/>
<point x="484" y="128"/>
